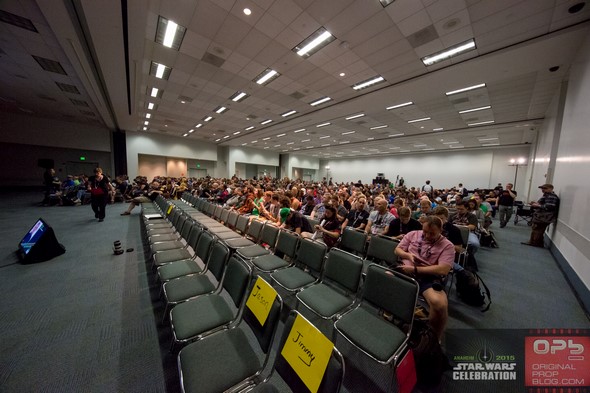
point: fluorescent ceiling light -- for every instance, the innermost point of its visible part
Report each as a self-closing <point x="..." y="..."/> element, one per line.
<point x="392" y="135"/>
<point x="316" y="41"/>
<point x="220" y="109"/>
<point x="266" y="76"/>
<point x="320" y="101"/>
<point x="277" y="146"/>
<point x="355" y="116"/>
<point x="420" y="145"/>
<point x="395" y="147"/>
<point x="146" y="123"/>
<point x="191" y="131"/>
<point x="240" y="95"/>
<point x="217" y="140"/>
<point x="456" y="146"/>
<point x="254" y="141"/>
<point x="417" y="120"/>
<point x="148" y="115"/>
<point x="225" y="137"/>
<point x="151" y="105"/>
<point x="399" y="105"/>
<point x="370" y="139"/>
<point x="487" y="139"/>
<point x="280" y="135"/>
<point x="368" y="82"/>
<point x="288" y="113"/>
<point x="430" y="148"/>
<point x="290" y="143"/>
<point x="327" y="144"/>
<point x="449" y="93"/>
<point x="378" y="127"/>
<point x="145" y="128"/>
<point x="185" y="135"/>
<point x="265" y="139"/>
<point x="476" y="109"/>
<point x="199" y="125"/>
<point x="480" y="123"/>
<point x="309" y="147"/>
<point x="154" y="92"/>
<point x="349" y="132"/>
<point x="244" y="144"/>
<point x="305" y="140"/>
<point x="266" y="121"/>
<point x="438" y="129"/>
<point x="449" y="143"/>
<point x="449" y="52"/>
<point x="249" y="128"/>
<point x="160" y="70"/>
<point x="323" y="125"/>
<point x="208" y="118"/>
<point x="299" y="130"/>
<point x="324" y="137"/>
<point x="169" y="34"/>
<point x="237" y="132"/>
<point x="344" y="142"/>
<point x="491" y="144"/>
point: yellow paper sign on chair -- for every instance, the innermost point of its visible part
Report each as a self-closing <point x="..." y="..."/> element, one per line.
<point x="169" y="209"/>
<point x="261" y="299"/>
<point x="307" y="351"/>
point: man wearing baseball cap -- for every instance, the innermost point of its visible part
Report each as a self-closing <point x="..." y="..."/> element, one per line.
<point x="545" y="213"/>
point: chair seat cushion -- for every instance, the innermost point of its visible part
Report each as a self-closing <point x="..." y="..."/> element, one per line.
<point x="178" y="269"/>
<point x="200" y="315"/>
<point x="164" y="246"/>
<point x="217" y="362"/>
<point x="186" y="287"/>
<point x="293" y="278"/>
<point x="171" y="256"/>
<point x="163" y="238"/>
<point x="375" y="335"/>
<point x="239" y="243"/>
<point x="161" y="231"/>
<point x="324" y="300"/>
<point x="252" y="251"/>
<point x="227" y="235"/>
<point x="269" y="263"/>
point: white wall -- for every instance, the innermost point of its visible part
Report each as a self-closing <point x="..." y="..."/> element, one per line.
<point x="481" y="168"/>
<point x="151" y="166"/>
<point x="571" y="235"/>
<point x="239" y="156"/>
<point x="165" y="146"/>
<point x="296" y="165"/>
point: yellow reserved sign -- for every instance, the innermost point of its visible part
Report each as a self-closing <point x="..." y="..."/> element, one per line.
<point x="170" y="209"/>
<point x="308" y="351"/>
<point x="261" y="299"/>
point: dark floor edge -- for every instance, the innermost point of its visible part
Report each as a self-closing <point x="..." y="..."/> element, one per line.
<point x="580" y="290"/>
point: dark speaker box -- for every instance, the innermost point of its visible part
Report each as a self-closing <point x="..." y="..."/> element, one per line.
<point x="39" y="244"/>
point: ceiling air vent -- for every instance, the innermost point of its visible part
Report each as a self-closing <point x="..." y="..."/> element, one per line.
<point x="212" y="59"/>
<point x="68" y="88"/>
<point x="79" y="102"/>
<point x="50" y="65"/>
<point x="17" y="21"/>
<point x="422" y="37"/>
<point x="297" y="95"/>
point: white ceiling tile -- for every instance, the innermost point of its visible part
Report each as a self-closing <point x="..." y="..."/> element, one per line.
<point x="452" y="23"/>
<point x="207" y="19"/>
<point x="430" y="48"/>
<point x="414" y="23"/>
<point x="180" y="11"/>
<point x="284" y="10"/>
<point x="443" y="9"/>
<point x="231" y="32"/>
<point x="254" y="42"/>
<point x="289" y="38"/>
<point x="270" y="26"/>
<point x="402" y="9"/>
<point x="457" y="36"/>
<point x="305" y="25"/>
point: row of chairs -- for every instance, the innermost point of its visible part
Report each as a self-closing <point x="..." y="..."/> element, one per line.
<point x="327" y="286"/>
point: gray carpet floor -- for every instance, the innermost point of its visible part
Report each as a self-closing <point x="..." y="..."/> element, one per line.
<point x="89" y="321"/>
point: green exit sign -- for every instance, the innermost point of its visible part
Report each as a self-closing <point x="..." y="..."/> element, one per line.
<point x="82" y="158"/>
<point x="198" y="165"/>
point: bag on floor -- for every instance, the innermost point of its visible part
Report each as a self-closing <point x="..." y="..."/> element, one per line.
<point x="431" y="362"/>
<point x="469" y="289"/>
<point x="488" y="240"/>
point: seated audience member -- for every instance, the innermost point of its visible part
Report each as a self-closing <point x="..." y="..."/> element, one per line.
<point x="379" y="219"/>
<point x="449" y="230"/>
<point x="320" y="208"/>
<point x="293" y="220"/>
<point x="357" y="217"/>
<point x="492" y="199"/>
<point x="397" y="203"/>
<point x="403" y="225"/>
<point x="328" y="231"/>
<point x="486" y="208"/>
<point x="427" y="256"/>
<point x="464" y="218"/>
<point x="307" y="206"/>
<point x="152" y="194"/>
<point x="425" y="210"/>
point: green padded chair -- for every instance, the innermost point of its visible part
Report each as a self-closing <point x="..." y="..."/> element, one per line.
<point x="250" y="232"/>
<point x="229" y="360"/>
<point x="202" y="315"/>
<point x="381" y="340"/>
<point x="381" y="250"/>
<point x="336" y="291"/>
<point x="283" y="373"/>
<point x="283" y="255"/>
<point x="307" y="269"/>
<point x="201" y="244"/>
<point x="185" y="233"/>
<point x="266" y="242"/>
<point x="353" y="241"/>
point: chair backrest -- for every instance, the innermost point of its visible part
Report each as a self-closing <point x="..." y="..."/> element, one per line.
<point x="232" y="219"/>
<point x="194" y="236"/>
<point x="392" y="291"/>
<point x="187" y="228"/>
<point x="204" y="245"/>
<point x="236" y="279"/>
<point x="199" y="203"/>
<point x="223" y="215"/>
<point x="353" y="241"/>
<point x="242" y="224"/>
<point x="464" y="234"/>
<point x="332" y="378"/>
<point x="311" y="254"/>
<point x="254" y="230"/>
<point x="381" y="249"/>
<point x="343" y="268"/>
<point x="217" y="211"/>
<point x="287" y="243"/>
<point x="210" y="209"/>
<point x="268" y="234"/>
<point x="264" y="333"/>
<point x="180" y="222"/>
<point x="217" y="260"/>
<point x="312" y="221"/>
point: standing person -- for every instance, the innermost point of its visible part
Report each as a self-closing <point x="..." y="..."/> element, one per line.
<point x="99" y="187"/>
<point x="51" y="183"/>
<point x="545" y="213"/>
<point x="505" y="204"/>
<point x="428" y="189"/>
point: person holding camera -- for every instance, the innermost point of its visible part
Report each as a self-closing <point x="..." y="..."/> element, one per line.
<point x="428" y="257"/>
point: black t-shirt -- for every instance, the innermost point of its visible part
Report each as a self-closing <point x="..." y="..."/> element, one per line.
<point x="505" y="199"/>
<point x="356" y="218"/>
<point x="396" y="227"/>
<point x="296" y="220"/>
<point x="452" y="233"/>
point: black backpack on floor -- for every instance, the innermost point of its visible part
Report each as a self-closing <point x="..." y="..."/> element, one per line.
<point x="469" y="290"/>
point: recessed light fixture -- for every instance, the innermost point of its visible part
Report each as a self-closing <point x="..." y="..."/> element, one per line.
<point x="327" y="144"/>
<point x="393" y="148"/>
<point x="393" y="135"/>
<point x="450" y="143"/>
<point x="254" y="141"/>
<point x="342" y="74"/>
<point x="249" y="128"/>
<point x="208" y="118"/>
<point x="324" y="137"/>
<point x="481" y="108"/>
<point x="225" y="137"/>
<point x="266" y="76"/>
<point x="151" y="105"/>
<point x="449" y="93"/>
<point x="487" y="139"/>
<point x="420" y="145"/>
<point x="266" y="121"/>
<point x="344" y="142"/>
<point x="265" y="139"/>
<point x="479" y="123"/>
<point x="456" y="146"/>
<point x="449" y="52"/>
<point x="309" y="147"/>
<point x="244" y="144"/>
<point x="169" y="33"/>
<point x="290" y="143"/>
<point x="349" y="132"/>
<point x="191" y="131"/>
<point x="399" y="105"/>
<point x="277" y="146"/>
<point x="490" y="144"/>
<point x="320" y="101"/>
<point x="369" y="82"/>
<point x="154" y="92"/>
<point x="247" y="11"/>
<point x="280" y="135"/>
<point x="148" y="115"/>
<point x="417" y="120"/>
<point x="370" y="139"/>
<point x="299" y="130"/>
<point x="160" y="71"/>
<point x="240" y="95"/>
<point x="184" y="134"/>
<point x="217" y="140"/>
<point x="377" y="127"/>
<point x="146" y="123"/>
<point x="288" y="113"/>
<point x="220" y="109"/>
<point x="305" y="140"/>
<point x="145" y="128"/>
<point x="438" y="129"/>
<point x="355" y="116"/>
<point x="199" y="125"/>
<point x="316" y="41"/>
<point x="237" y="132"/>
<point x="323" y="125"/>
